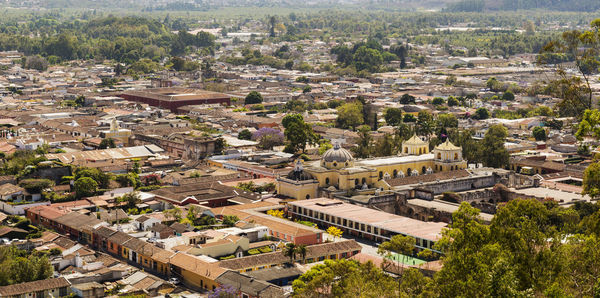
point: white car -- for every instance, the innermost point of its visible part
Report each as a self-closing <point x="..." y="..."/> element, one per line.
<point x="174" y="280"/>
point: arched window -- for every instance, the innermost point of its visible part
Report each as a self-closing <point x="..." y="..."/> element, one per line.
<point x="395" y="173"/>
<point x="380" y="174"/>
<point x="424" y="170"/>
<point x="439" y="155"/>
<point x="356" y="181"/>
<point x="334" y="164"/>
<point x="406" y="150"/>
<point x="408" y="172"/>
<point x="307" y="197"/>
<point x="455" y="156"/>
<point x="364" y="180"/>
<point x="420" y="152"/>
<point x="327" y="180"/>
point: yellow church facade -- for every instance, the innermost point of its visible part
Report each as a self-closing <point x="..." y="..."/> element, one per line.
<point x="338" y="171"/>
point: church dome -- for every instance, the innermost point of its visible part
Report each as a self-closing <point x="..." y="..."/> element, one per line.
<point x="337" y="154"/>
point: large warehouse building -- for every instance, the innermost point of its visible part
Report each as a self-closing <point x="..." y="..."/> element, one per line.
<point x="174" y="98"/>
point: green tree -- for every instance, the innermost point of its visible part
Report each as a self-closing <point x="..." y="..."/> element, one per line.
<point x="589" y="125"/>
<point x="290" y="251"/>
<point x="367" y="59"/>
<point x="574" y="88"/>
<point x="85" y="187"/>
<point x="302" y="251"/>
<point x="425" y="125"/>
<point x="493" y="84"/>
<point x="398" y="244"/>
<point x="385" y="146"/>
<point x="493" y="151"/>
<point x="539" y="133"/>
<point x="107" y="143"/>
<point x="406" y="99"/>
<point x="253" y="97"/>
<point x="452" y="101"/>
<point x="350" y="115"/>
<point x="363" y="148"/>
<point x="591" y="180"/>
<point x="508" y="95"/>
<point x="324" y="145"/>
<point x="344" y="278"/>
<point x="307" y="89"/>
<point x="230" y="220"/>
<point x="245" y="134"/>
<point x="481" y="114"/>
<point x="437" y="101"/>
<point x="173" y="214"/>
<point x="393" y="116"/>
<point x="297" y="133"/>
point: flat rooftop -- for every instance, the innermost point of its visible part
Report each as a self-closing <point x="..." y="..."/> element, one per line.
<point x="562" y="197"/>
<point x="394" y="160"/>
<point x="176" y="94"/>
<point x="383" y="220"/>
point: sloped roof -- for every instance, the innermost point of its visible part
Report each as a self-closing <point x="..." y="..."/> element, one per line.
<point x="416" y="141"/>
<point x="34" y="286"/>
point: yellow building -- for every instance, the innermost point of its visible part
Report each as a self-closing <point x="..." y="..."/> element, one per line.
<point x="116" y="133"/>
<point x="338" y="170"/>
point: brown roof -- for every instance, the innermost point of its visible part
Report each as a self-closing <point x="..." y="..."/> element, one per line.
<point x="104" y="232"/>
<point x="34" y="286"/>
<point x="119" y="238"/>
<point x="76" y="220"/>
<point x="197" y="266"/>
<point x="134" y="244"/>
<point x="278" y="257"/>
<point x="9" y="188"/>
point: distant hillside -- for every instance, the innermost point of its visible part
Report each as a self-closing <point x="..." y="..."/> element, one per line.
<point x="558" y="5"/>
<point x="183" y="5"/>
<point x="448" y="5"/>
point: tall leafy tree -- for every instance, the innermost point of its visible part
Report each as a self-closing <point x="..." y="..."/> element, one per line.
<point x="297" y="133"/>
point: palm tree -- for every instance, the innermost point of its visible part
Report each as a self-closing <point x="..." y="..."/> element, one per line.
<point x="290" y="251"/>
<point x="301" y="249"/>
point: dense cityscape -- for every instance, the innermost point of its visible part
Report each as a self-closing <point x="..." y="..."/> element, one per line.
<point x="263" y="148"/>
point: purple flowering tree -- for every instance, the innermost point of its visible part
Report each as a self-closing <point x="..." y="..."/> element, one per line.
<point x="268" y="137"/>
<point x="223" y="291"/>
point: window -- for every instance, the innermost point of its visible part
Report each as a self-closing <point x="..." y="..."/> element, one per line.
<point x="356" y="181"/>
<point x="245" y="296"/>
<point x="327" y="180"/>
<point x="307" y="197"/>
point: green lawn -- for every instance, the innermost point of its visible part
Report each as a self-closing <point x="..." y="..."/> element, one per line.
<point x="407" y="260"/>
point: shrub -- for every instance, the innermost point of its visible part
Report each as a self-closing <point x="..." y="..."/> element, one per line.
<point x="265" y="249"/>
<point x="253" y="252"/>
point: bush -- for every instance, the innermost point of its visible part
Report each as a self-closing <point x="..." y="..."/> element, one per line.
<point x="265" y="249"/>
<point x="229" y="257"/>
<point x="253" y="252"/>
<point x="35" y="185"/>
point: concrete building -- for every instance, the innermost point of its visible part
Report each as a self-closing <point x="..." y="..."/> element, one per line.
<point x="174" y="98"/>
<point x="365" y="222"/>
